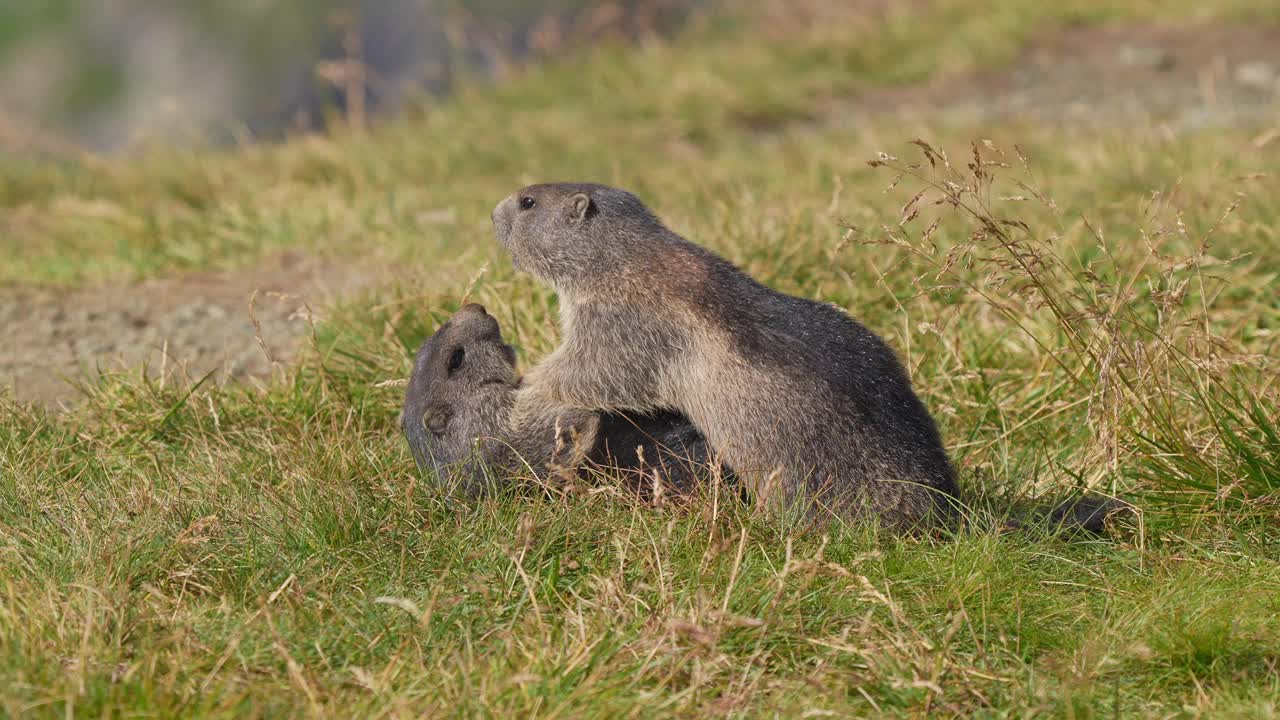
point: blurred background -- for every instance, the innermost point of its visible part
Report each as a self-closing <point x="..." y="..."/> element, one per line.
<point x="164" y="161"/>
<point x="110" y="74"/>
<point x="107" y="75"/>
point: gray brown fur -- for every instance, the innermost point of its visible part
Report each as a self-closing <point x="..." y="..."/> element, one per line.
<point x="457" y="409"/>
<point x="802" y="400"/>
<point x="459" y="398"/>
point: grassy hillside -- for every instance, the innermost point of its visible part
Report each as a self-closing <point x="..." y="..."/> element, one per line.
<point x="1078" y="308"/>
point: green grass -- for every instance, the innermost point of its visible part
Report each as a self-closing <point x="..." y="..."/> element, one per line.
<point x="269" y="550"/>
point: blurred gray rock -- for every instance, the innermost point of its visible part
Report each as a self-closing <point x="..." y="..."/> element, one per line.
<point x="1257" y="76"/>
<point x="1146" y="57"/>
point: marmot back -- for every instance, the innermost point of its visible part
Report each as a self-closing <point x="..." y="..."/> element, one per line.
<point x="798" y="397"/>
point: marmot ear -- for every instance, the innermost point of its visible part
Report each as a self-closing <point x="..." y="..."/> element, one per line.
<point x="580" y="207"/>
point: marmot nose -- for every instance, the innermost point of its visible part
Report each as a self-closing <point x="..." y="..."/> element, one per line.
<point x="502" y="211"/>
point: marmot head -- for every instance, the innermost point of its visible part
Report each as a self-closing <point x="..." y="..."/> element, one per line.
<point x="462" y="380"/>
<point x="568" y="234"/>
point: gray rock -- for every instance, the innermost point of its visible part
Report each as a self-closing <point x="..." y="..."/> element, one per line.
<point x="1257" y="75"/>
<point x="1146" y="57"/>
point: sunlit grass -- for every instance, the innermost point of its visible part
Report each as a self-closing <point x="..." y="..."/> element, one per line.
<point x="270" y="550"/>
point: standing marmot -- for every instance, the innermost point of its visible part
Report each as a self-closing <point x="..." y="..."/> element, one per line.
<point x="793" y="394"/>
<point x="457" y="409"/>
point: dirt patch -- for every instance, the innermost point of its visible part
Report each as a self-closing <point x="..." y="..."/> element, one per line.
<point x="190" y="324"/>
<point x="1192" y="76"/>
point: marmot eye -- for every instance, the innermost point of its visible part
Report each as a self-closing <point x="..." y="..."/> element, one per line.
<point x="527" y="202"/>
<point x="455" y="360"/>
